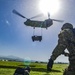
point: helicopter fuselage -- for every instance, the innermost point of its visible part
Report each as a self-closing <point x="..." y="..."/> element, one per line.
<point x="42" y="24"/>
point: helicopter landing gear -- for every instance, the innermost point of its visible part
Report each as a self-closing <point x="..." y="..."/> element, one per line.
<point x="46" y="27"/>
<point x="33" y="27"/>
<point x="36" y="37"/>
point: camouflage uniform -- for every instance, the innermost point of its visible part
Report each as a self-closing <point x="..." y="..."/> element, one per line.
<point x="66" y="41"/>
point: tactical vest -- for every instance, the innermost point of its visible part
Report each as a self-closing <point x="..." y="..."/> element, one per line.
<point x="70" y="41"/>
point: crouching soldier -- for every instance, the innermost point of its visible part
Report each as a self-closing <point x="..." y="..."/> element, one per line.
<point x="22" y="71"/>
<point x="66" y="41"/>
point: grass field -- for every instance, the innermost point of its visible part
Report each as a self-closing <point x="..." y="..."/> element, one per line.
<point x="8" y="68"/>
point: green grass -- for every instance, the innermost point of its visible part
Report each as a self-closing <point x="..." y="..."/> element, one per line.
<point x="8" y="68"/>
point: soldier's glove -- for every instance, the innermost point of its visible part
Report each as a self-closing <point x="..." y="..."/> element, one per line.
<point x="49" y="65"/>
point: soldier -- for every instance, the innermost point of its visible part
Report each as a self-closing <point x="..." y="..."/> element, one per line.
<point x="66" y="41"/>
<point x="22" y="71"/>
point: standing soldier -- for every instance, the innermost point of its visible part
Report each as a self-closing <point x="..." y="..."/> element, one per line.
<point x="66" y="41"/>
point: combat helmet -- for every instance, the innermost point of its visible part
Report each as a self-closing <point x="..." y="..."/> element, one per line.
<point x="67" y="26"/>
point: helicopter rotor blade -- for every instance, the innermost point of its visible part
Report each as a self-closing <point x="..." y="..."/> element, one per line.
<point x="37" y="16"/>
<point x="58" y="20"/>
<point x="17" y="13"/>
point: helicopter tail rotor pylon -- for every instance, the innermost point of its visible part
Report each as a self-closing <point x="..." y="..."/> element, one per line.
<point x="48" y="15"/>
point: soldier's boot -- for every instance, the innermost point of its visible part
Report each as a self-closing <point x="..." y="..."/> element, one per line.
<point x="49" y="65"/>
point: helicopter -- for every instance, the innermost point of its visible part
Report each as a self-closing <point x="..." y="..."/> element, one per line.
<point x="33" y="23"/>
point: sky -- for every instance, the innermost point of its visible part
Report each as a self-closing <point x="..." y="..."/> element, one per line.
<point x="15" y="37"/>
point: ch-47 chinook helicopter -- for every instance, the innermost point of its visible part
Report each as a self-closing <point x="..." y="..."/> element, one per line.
<point x="43" y="24"/>
<point x="33" y="23"/>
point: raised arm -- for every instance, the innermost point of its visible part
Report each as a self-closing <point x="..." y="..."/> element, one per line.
<point x="59" y="49"/>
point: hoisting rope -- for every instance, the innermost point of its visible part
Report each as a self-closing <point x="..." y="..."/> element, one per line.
<point x="33" y="31"/>
<point x="40" y="27"/>
<point x="41" y="31"/>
